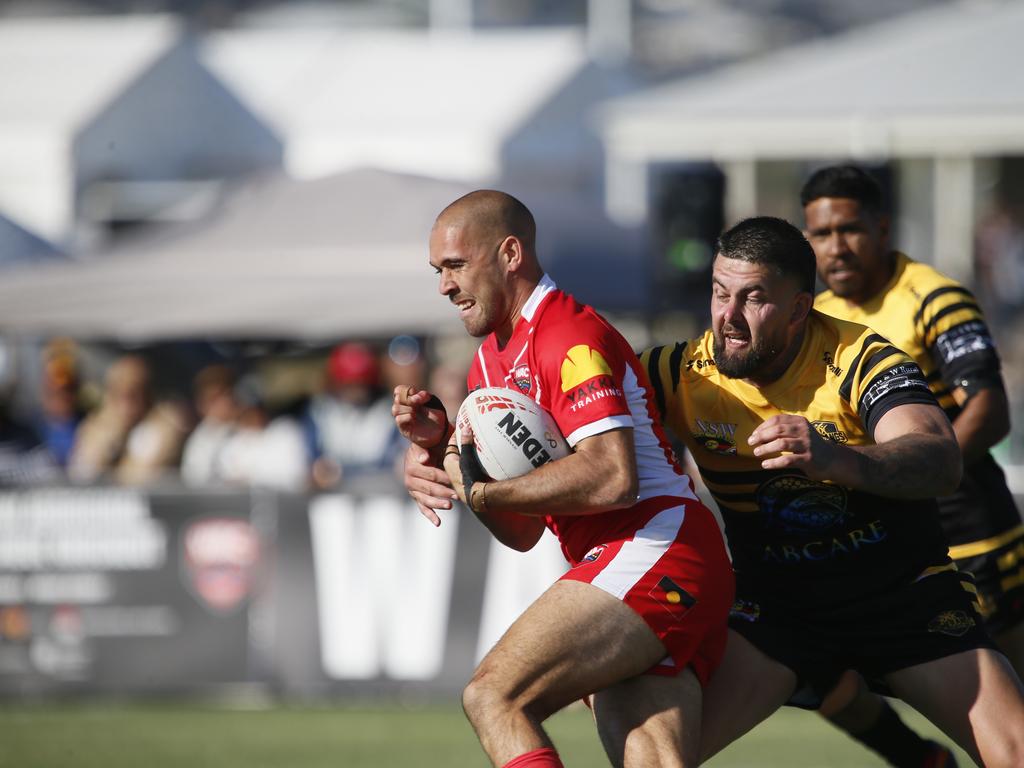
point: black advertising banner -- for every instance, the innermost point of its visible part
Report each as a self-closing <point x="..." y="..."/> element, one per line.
<point x="125" y="591"/>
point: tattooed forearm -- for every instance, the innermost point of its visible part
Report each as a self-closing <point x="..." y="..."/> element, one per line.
<point x="912" y="466"/>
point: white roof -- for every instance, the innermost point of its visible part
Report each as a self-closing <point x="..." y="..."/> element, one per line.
<point x="428" y="102"/>
<point x="58" y="72"/>
<point x="340" y="256"/>
<point x="948" y="80"/>
<point x="19" y="246"/>
<point x="283" y="259"/>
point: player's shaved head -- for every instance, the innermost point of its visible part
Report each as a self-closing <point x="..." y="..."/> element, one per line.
<point x="488" y="214"/>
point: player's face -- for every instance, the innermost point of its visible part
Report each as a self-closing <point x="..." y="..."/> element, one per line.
<point x="472" y="278"/>
<point x="755" y="314"/>
<point x="851" y="246"/>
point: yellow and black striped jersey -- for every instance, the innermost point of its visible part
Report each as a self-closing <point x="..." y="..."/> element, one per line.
<point x="818" y="537"/>
<point x="935" y="320"/>
<point x="938" y="322"/>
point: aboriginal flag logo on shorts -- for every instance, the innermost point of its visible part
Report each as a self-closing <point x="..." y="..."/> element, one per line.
<point x="672" y="597"/>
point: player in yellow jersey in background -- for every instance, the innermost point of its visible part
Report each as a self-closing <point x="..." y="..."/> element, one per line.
<point x="937" y="321"/>
<point x="823" y="447"/>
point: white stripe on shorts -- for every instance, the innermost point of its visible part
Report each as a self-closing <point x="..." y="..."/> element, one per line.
<point x="638" y="555"/>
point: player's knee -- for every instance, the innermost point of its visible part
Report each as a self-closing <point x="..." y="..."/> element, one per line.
<point x="655" y="747"/>
<point x="484" y="696"/>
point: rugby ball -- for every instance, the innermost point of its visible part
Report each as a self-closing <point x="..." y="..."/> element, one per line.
<point x="512" y="432"/>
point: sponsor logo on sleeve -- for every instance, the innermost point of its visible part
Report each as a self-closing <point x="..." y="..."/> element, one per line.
<point x="963" y="340"/>
<point x="587" y="378"/>
<point x="581" y="364"/>
<point x="902" y="377"/>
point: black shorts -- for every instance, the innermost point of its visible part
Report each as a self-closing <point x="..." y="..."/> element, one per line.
<point x="997" y="564"/>
<point x="916" y="622"/>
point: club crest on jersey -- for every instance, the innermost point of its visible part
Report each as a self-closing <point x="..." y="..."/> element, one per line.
<point x="716" y="436"/>
<point x="593" y="554"/>
<point x="523" y="378"/>
<point x="953" y="623"/>
<point x="830" y="431"/>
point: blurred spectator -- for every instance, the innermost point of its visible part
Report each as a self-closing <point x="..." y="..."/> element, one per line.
<point x="349" y="426"/>
<point x="60" y="412"/>
<point x="403" y="363"/>
<point x="23" y="459"/>
<point x="262" y="450"/>
<point x="999" y="261"/>
<point x="130" y="437"/>
<point x="448" y="382"/>
<point x="213" y="395"/>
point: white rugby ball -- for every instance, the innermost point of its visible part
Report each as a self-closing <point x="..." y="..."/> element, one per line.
<point x="513" y="433"/>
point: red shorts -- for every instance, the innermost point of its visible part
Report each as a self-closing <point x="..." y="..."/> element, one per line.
<point x="675" y="573"/>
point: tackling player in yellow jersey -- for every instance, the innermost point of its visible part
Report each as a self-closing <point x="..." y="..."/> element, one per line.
<point x="824" y="447"/>
<point x="938" y="322"/>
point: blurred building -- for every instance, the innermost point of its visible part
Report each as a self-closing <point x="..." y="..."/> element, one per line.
<point x="19" y="246"/>
<point x="113" y="119"/>
<point x="937" y="94"/>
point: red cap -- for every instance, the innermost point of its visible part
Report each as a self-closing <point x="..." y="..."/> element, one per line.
<point x="353" y="363"/>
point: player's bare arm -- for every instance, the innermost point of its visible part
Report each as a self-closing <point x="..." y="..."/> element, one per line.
<point x="599" y="476"/>
<point x="983" y="421"/>
<point x="915" y="453"/>
<point x="512" y="529"/>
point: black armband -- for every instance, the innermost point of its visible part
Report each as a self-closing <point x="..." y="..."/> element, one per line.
<point x="471" y="469"/>
<point x="973" y="383"/>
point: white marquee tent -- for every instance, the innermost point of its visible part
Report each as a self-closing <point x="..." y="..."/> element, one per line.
<point x="343" y="255"/>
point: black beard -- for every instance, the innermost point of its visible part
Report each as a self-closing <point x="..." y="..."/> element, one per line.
<point x="758" y="358"/>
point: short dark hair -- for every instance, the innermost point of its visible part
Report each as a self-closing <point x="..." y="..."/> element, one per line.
<point x="774" y="242"/>
<point x="846" y="181"/>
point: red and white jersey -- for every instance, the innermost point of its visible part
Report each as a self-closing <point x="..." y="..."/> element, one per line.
<point x="579" y="368"/>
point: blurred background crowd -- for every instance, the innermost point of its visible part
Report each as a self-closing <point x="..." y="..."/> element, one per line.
<point x="309" y="420"/>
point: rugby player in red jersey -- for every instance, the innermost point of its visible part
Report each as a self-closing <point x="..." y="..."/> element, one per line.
<point x="638" y="621"/>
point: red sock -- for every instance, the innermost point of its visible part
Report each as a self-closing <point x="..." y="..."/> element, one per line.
<point x="538" y="758"/>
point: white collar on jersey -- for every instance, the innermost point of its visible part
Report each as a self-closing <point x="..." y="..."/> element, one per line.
<point x="544" y="287"/>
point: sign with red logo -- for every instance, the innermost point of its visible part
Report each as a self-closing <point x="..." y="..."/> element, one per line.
<point x="220" y="555"/>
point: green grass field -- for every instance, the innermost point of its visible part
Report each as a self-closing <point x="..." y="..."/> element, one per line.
<point x="159" y="735"/>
